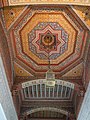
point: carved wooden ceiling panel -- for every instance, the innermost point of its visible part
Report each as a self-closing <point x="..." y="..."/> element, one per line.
<point x="39" y="26"/>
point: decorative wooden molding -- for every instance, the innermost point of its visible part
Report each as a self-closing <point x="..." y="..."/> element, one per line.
<point x="48" y="109"/>
<point x="4" y="3"/>
<point x="54" y="103"/>
<point x="72" y="2"/>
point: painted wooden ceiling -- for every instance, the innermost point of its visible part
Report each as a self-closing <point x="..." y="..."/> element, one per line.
<point x="29" y="27"/>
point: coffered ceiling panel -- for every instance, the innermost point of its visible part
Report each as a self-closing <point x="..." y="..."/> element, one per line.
<point x="41" y="32"/>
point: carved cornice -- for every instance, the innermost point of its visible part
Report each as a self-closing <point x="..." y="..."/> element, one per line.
<point x="47" y="103"/>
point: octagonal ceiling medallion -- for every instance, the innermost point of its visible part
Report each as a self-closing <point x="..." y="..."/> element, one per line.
<point x="50" y="38"/>
<point x="43" y="31"/>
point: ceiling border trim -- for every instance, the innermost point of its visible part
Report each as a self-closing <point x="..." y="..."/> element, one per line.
<point x="31" y="2"/>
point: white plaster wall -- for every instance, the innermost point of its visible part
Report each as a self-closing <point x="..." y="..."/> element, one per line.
<point x="84" y="113"/>
<point x="5" y="95"/>
<point x="2" y="114"/>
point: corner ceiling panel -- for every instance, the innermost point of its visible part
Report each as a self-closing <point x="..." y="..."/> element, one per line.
<point x="11" y="14"/>
<point x="84" y="13"/>
<point x="75" y="72"/>
<point x="19" y="71"/>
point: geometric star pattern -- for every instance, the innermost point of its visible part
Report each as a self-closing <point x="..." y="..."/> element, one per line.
<point x="57" y="43"/>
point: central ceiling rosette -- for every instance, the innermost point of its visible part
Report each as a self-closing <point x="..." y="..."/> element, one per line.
<point x="48" y="38"/>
